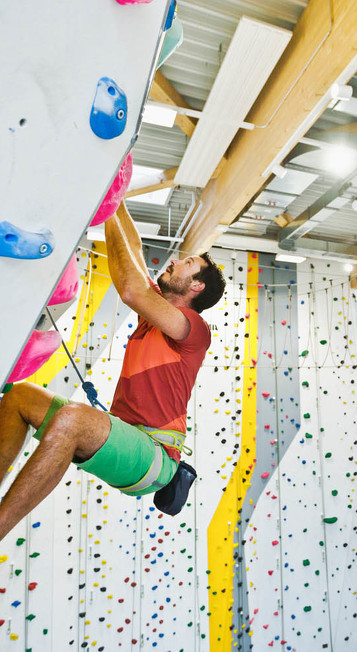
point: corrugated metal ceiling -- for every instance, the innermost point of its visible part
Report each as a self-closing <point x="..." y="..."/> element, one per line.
<point x="208" y="28"/>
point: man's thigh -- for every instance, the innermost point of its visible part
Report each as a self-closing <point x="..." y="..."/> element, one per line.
<point x="86" y="426"/>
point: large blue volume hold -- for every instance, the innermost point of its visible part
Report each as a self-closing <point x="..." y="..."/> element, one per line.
<point x="18" y="243"/>
<point x="109" y="111"/>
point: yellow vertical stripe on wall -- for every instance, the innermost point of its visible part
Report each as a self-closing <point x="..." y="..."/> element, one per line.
<point x="220" y="533"/>
<point x="100" y="283"/>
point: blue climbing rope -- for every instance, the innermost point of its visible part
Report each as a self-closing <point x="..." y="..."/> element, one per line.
<point x="87" y="386"/>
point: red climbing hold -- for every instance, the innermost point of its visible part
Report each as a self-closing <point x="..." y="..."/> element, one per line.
<point x="265" y="475"/>
<point x="270" y="572"/>
<point x="275" y="543"/>
<point x="2" y="590"/>
<point x="39" y="348"/>
<point x="115" y="194"/>
<point x="1" y="622"/>
<point x="266" y="394"/>
<point x="32" y="586"/>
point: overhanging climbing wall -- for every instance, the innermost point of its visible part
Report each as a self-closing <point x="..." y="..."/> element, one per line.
<point x="256" y="558"/>
<point x="54" y="170"/>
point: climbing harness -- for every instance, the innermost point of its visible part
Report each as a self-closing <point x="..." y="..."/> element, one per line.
<point x="87" y="386"/>
<point x="171" y="438"/>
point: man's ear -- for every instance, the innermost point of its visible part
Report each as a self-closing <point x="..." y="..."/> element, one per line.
<point x="197" y="286"/>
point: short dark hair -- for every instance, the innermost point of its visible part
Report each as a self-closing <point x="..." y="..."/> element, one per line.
<point x="211" y="275"/>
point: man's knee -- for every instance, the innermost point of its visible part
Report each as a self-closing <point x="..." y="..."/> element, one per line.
<point x="68" y="420"/>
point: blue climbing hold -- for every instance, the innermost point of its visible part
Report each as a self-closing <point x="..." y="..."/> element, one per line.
<point x="170" y="15"/>
<point x="18" y="243"/>
<point x="109" y="111"/>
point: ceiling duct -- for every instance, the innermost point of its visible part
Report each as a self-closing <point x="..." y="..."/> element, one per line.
<point x="252" y="55"/>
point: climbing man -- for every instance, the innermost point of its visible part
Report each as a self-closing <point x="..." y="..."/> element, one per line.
<point x="137" y="445"/>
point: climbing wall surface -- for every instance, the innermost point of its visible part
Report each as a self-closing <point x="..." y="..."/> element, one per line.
<point x="264" y="552"/>
<point x="54" y="170"/>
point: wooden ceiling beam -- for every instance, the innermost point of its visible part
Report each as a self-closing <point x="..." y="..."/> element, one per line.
<point x="164" y="92"/>
<point x="251" y="152"/>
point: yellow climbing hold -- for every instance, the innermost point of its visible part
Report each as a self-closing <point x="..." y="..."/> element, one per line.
<point x="13" y="637"/>
<point x="3" y="558"/>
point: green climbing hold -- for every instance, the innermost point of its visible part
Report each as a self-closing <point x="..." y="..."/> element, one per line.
<point x="328" y="455"/>
<point x="7" y="388"/>
<point x="20" y="541"/>
<point x="306" y="609"/>
<point x="45" y="631"/>
<point x="317" y="572"/>
<point x="35" y="554"/>
<point x="18" y="572"/>
<point x="323" y="341"/>
<point x="305" y="383"/>
<point x="304" y="353"/>
<point x="30" y="617"/>
<point x="331" y="519"/>
<point x="307" y="415"/>
<point x="334" y="492"/>
<point x="321" y="543"/>
<point x="189" y="570"/>
<point x="308" y="436"/>
<point x="306" y="562"/>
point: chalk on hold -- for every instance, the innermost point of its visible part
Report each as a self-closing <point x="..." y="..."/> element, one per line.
<point x="115" y="194"/>
<point x="18" y="243"/>
<point x="67" y="286"/>
<point x="39" y="348"/>
<point x="109" y="111"/>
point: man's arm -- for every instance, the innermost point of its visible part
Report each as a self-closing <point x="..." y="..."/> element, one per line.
<point x="132" y="235"/>
<point x="132" y="284"/>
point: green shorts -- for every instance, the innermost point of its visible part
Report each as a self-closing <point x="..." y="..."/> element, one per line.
<point x="125" y="457"/>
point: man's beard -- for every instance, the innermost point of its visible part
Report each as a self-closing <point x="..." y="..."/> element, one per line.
<point x="176" y="286"/>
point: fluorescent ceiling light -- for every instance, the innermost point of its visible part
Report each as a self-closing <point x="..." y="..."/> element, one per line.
<point x="158" y="115"/>
<point x="159" y="197"/>
<point x="251" y="57"/>
<point x="340" y="160"/>
<point x="286" y="258"/>
<point x="348" y="268"/>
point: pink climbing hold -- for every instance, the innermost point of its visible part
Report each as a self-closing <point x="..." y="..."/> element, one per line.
<point x="283" y="322"/>
<point x="266" y="394"/>
<point x="275" y="543"/>
<point x="39" y="348"/>
<point x="133" y="2"/>
<point x="115" y="194"/>
<point x="68" y="284"/>
<point x="265" y="475"/>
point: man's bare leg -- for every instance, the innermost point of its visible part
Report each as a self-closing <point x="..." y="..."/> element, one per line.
<point x="76" y="429"/>
<point x="26" y="404"/>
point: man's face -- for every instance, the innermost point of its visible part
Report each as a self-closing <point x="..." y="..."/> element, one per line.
<point x="177" y="278"/>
